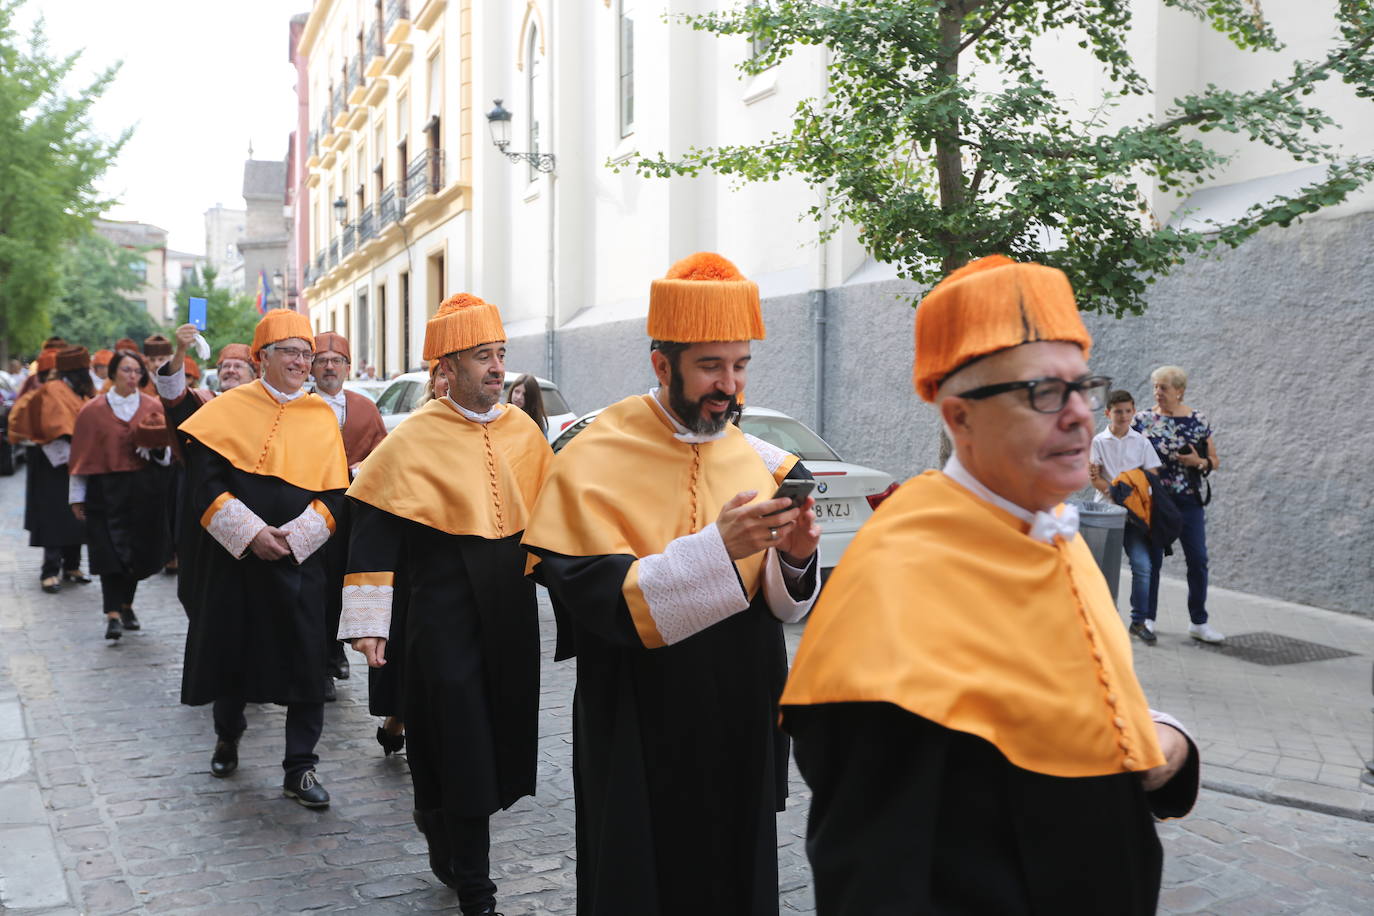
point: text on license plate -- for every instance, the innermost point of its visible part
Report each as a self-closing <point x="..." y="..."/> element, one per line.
<point x="833" y="509"/>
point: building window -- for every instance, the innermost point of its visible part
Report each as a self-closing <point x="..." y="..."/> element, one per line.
<point x="625" y="29"/>
<point x="534" y="96"/>
<point x="758" y="44"/>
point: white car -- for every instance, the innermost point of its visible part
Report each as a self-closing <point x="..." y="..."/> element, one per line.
<point x="403" y="395"/>
<point x="846" y="494"/>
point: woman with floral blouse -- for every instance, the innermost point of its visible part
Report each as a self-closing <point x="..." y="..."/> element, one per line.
<point x="1183" y="438"/>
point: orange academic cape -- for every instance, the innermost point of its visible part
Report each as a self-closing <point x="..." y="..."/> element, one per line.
<point x="103" y="443"/>
<point x="944" y="607"/>
<point x="51" y="412"/>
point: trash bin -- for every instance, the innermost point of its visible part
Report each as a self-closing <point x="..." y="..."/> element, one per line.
<point x="1103" y="526"/>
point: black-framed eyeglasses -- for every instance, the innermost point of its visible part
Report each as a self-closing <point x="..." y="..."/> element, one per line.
<point x="1049" y="395"/>
<point x="292" y="353"/>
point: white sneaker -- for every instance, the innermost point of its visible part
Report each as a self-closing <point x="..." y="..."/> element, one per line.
<point x="1205" y="633"/>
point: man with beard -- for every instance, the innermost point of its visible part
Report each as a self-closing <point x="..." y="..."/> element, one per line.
<point x="362" y="429"/>
<point x="670" y="569"/>
<point x="179" y="402"/>
<point x="266" y="474"/>
<point x="437" y="514"/>
<point x="963" y="702"/>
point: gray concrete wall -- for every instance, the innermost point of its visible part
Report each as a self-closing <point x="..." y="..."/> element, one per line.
<point x="1278" y="340"/>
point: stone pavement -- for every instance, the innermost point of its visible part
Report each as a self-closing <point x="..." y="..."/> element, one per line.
<point x="106" y="805"/>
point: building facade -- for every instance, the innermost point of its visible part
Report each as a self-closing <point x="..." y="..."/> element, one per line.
<point x="298" y="174"/>
<point x="151" y="242"/>
<point x="267" y="229"/>
<point x="223" y="229"/>
<point x="390" y="158"/>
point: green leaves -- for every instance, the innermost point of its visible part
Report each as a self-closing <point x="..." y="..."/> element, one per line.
<point x="936" y="167"/>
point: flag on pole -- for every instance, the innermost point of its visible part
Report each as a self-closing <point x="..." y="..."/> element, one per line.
<point x="264" y="292"/>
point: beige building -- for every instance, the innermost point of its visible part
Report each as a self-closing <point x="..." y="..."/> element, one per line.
<point x="223" y="229"/>
<point x="390" y="169"/>
<point x="151" y="241"/>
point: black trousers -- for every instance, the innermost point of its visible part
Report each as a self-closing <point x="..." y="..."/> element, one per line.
<point x="57" y="560"/>
<point x="470" y="841"/>
<point x="117" y="591"/>
<point x="304" y="723"/>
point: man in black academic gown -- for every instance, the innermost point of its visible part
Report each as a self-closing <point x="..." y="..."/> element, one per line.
<point x="670" y="570"/>
<point x="963" y="703"/>
<point x="436" y="514"/>
<point x="266" y="473"/>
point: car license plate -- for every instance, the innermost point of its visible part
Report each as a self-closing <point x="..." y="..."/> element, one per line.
<point x="827" y="510"/>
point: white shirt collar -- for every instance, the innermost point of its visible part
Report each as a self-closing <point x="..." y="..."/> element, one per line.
<point x="1045" y="526"/>
<point x="475" y="417"/>
<point x="337" y="399"/>
<point x="282" y="396"/>
<point x="123" y="407"/>
<point x="684" y="434"/>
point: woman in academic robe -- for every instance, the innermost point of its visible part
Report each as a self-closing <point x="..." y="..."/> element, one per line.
<point x="119" y="488"/>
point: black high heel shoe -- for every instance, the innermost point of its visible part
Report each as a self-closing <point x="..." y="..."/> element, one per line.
<point x="76" y="577"/>
<point x="390" y="743"/>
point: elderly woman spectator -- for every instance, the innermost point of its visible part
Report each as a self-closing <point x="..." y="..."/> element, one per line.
<point x="525" y="394"/>
<point x="1183" y="438"/>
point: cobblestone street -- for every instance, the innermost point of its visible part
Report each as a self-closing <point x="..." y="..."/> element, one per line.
<point x="107" y="806"/>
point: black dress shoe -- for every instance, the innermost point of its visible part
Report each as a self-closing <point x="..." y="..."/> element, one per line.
<point x="305" y="788"/>
<point x="114" y="628"/>
<point x="130" y="620"/>
<point x="330" y="694"/>
<point x="337" y="667"/>
<point x="390" y="743"/>
<point x="225" y="760"/>
<point x="430" y="823"/>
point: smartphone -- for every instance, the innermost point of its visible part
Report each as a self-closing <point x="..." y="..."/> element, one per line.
<point x="795" y="490"/>
<point x="196" y="312"/>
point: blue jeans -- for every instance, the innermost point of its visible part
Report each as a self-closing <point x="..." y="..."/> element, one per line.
<point x="1143" y="584"/>
<point x="1193" y="540"/>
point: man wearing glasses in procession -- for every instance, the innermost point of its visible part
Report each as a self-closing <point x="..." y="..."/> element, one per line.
<point x="267" y="474"/>
<point x="963" y="703"/>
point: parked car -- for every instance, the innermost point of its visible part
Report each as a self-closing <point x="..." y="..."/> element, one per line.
<point x="10" y="455"/>
<point x="404" y="393"/>
<point x="370" y="388"/>
<point x="846" y="494"/>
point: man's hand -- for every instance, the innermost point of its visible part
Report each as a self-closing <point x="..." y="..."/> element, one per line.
<point x="79" y="510"/>
<point x="270" y="544"/>
<point x="803" y="538"/>
<point x="746" y="531"/>
<point x="1175" y="748"/>
<point x="373" y="647"/>
<point x="186" y="336"/>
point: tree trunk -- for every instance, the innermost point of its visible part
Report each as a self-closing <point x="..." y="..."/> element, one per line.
<point x="949" y="162"/>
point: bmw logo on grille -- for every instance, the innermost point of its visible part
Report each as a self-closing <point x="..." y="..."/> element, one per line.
<point x="822" y="487"/>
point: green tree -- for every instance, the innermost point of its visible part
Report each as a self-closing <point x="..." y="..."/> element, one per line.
<point x="229" y="317"/>
<point x="50" y="159"/>
<point x="91" y="309"/>
<point x="936" y="167"/>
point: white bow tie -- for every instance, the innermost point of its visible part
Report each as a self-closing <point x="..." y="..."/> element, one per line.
<point x="1046" y="526"/>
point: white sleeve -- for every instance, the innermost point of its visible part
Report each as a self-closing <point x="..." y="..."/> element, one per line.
<point x="1151" y="457"/>
<point x="691" y="585"/>
<point x="76" y="488"/>
<point x="234" y="526"/>
<point x="366" y="612"/>
<point x="170" y="387"/>
<point x="306" y="533"/>
<point x="777" y="573"/>
<point x="59" y="452"/>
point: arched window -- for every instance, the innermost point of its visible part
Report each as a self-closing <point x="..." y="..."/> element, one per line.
<point x="535" y="94"/>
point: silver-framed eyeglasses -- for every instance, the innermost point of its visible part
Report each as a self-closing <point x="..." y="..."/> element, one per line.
<point x="293" y="353"/>
<point x="1050" y="395"/>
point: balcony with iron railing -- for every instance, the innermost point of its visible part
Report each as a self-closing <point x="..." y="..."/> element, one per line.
<point x="338" y="104"/>
<point x="397" y="21"/>
<point x="319" y="263"/>
<point x="387" y="212"/>
<point x="424" y="177"/>
<point x="367" y="225"/>
<point x="349" y="239"/>
<point x="333" y="253"/>
<point x="374" y="49"/>
<point x="355" y="81"/>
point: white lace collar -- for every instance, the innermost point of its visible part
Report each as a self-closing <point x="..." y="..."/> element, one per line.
<point x="123" y="407"/>
<point x="336" y="399"/>
<point x="684" y="434"/>
<point x="472" y="415"/>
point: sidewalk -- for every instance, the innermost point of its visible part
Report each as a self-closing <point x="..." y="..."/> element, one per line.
<point x="1295" y="734"/>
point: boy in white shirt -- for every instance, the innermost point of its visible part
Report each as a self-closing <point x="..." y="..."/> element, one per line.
<point x="1117" y="449"/>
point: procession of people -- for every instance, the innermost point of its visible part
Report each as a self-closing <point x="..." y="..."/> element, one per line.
<point x="960" y="759"/>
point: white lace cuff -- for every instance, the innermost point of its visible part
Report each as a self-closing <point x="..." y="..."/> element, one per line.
<point x="76" y="488"/>
<point x="772" y="456"/>
<point x="171" y="387"/>
<point x="59" y="452"/>
<point x="777" y="572"/>
<point x="232" y="523"/>
<point x="366" y="612"/>
<point x="307" y="533"/>
<point x="691" y="585"/>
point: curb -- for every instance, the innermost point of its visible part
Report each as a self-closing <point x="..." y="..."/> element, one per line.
<point x="1303" y="801"/>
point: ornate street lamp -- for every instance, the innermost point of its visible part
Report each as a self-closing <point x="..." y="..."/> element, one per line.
<point x="341" y="210"/>
<point x="498" y="120"/>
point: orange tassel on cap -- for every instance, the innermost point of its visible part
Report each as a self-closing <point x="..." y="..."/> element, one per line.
<point x="704" y="297"/>
<point x="988" y="305"/>
<point x="282" y="324"/>
<point x="462" y="322"/>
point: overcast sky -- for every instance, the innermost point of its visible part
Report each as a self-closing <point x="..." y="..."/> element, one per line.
<point x="200" y="81"/>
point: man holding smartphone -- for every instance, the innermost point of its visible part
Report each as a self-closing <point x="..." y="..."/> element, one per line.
<point x="671" y="570"/>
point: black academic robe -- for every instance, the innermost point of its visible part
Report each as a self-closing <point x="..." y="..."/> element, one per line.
<point x="470" y="645"/>
<point x="908" y="816"/>
<point x="47" y="514"/>
<point x="257" y="632"/>
<point x="186" y="531"/>
<point x="386" y="685"/>
<point x="126" y="521"/>
<point x="679" y="767"/>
